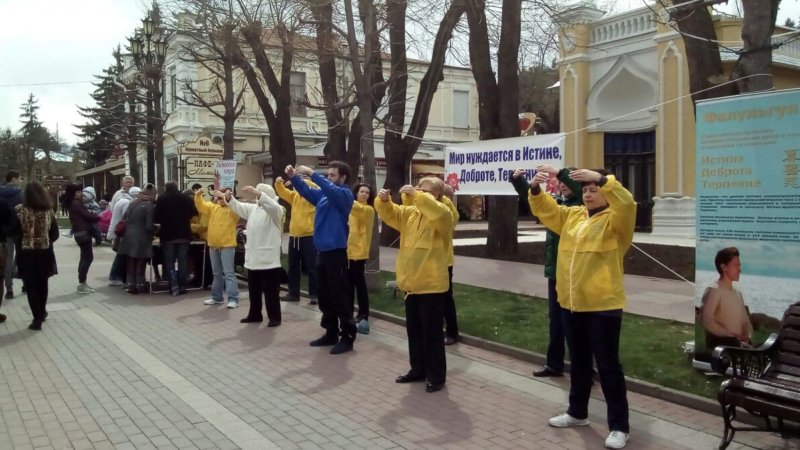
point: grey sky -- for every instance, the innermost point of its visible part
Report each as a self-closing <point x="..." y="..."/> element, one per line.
<point x="46" y="46"/>
<point x="58" y="42"/>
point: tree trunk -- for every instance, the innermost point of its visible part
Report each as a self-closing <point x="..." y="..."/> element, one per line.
<point x="132" y="145"/>
<point x="229" y="117"/>
<point x="702" y="54"/>
<point x="755" y="61"/>
<point x="335" y="148"/>
<point x="498" y="105"/>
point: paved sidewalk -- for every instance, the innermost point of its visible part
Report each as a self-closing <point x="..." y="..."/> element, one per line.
<point x="111" y="370"/>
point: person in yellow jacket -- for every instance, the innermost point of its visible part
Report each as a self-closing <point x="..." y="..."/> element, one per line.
<point x="425" y="229"/>
<point x="302" y="252"/>
<point x="451" y="335"/>
<point x="361" y="221"/>
<point x="221" y="239"/>
<point x="594" y="240"/>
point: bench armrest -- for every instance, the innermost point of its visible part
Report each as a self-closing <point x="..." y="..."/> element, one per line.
<point x="745" y="362"/>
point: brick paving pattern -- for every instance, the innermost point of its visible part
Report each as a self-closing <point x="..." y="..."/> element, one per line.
<point x="111" y="370"/>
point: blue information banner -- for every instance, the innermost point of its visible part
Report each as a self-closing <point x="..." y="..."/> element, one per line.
<point x="748" y="217"/>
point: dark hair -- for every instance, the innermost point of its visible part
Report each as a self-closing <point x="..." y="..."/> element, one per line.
<point x="371" y="198"/>
<point x="171" y="186"/>
<point x="36" y="197"/>
<point x="725" y="256"/>
<point x="342" y="168"/>
<point x="197" y="186"/>
<point x="11" y="174"/>
<point x="602" y="172"/>
<point x="69" y="194"/>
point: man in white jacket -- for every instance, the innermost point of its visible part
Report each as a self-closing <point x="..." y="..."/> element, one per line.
<point x="118" y="272"/>
<point x="262" y="257"/>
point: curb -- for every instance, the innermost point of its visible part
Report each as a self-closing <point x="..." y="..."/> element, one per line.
<point x="635" y="385"/>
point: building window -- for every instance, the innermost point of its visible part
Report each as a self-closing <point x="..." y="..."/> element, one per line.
<point x="173" y="91"/>
<point x="297" y="90"/>
<point x="461" y="109"/>
<point x="172" y="168"/>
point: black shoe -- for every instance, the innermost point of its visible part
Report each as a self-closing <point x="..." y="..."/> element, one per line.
<point x="313" y="301"/>
<point x="290" y="298"/>
<point x="10" y="295"/>
<point x="450" y="340"/>
<point x="45" y="316"/>
<point x="547" y="372"/>
<point x="433" y="387"/>
<point x="409" y="378"/>
<point x="274" y="323"/>
<point x="325" y="340"/>
<point x="182" y="291"/>
<point x="132" y="289"/>
<point x="2" y="318"/>
<point x="35" y="325"/>
<point x="251" y="319"/>
<point x="342" y="346"/>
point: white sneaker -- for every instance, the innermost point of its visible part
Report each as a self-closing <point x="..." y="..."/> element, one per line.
<point x="211" y="301"/>
<point x="616" y="439"/>
<point x="232" y="305"/>
<point x="565" y="421"/>
<point x="84" y="288"/>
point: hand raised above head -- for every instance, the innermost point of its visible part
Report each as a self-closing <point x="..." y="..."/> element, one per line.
<point x="304" y="170"/>
<point x="251" y="190"/>
<point x="408" y="190"/>
<point x="518" y="173"/>
<point x="290" y="171"/>
<point x="585" y="175"/>
<point x="547" y="169"/>
<point x="539" y="178"/>
<point x="384" y="195"/>
<point x="279" y="180"/>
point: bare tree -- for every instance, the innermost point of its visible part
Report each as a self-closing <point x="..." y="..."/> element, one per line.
<point x="214" y="47"/>
<point x="498" y="105"/>
<point x="268" y="28"/>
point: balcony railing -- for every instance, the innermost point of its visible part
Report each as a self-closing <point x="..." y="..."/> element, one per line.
<point x="623" y="26"/>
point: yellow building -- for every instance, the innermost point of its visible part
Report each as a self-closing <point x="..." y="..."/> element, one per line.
<point x="626" y="105"/>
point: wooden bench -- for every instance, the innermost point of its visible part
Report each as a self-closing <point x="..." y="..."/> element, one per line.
<point x="766" y="380"/>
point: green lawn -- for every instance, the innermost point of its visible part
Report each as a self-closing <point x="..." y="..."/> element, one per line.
<point x="651" y="349"/>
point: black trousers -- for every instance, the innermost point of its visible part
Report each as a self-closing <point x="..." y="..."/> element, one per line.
<point x="87" y="256"/>
<point x="450" y="317"/>
<point x="358" y="287"/>
<point x="264" y="283"/>
<point x="424" y="316"/>
<point x="555" y="344"/>
<point x="337" y="314"/>
<point x="302" y="253"/>
<point x="35" y="270"/>
<point x="596" y="334"/>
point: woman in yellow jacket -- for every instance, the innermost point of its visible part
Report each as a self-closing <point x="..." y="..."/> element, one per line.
<point x="594" y="240"/>
<point x="425" y="229"/>
<point x="302" y="251"/>
<point x="362" y="218"/>
<point x="221" y="241"/>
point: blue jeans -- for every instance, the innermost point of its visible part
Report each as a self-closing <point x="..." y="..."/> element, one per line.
<point x="555" y="345"/>
<point x="118" y="270"/>
<point x="224" y="275"/>
<point x="179" y="251"/>
<point x="10" y="248"/>
<point x="302" y="251"/>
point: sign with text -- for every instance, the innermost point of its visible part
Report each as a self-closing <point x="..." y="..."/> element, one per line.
<point x="485" y="167"/>
<point x="201" y="168"/>
<point x="202" y="146"/>
<point x="748" y="217"/>
<point x="225" y="174"/>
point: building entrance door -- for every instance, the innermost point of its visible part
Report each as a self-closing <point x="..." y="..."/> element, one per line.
<point x="631" y="158"/>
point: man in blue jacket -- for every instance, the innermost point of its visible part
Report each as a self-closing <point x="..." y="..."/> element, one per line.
<point x="333" y="201"/>
<point x="11" y="192"/>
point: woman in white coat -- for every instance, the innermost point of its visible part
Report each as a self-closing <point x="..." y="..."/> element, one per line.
<point x="262" y="257"/>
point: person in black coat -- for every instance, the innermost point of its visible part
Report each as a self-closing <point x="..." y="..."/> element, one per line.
<point x="173" y="214"/>
<point x="137" y="242"/>
<point x="6" y="226"/>
<point x="82" y="221"/>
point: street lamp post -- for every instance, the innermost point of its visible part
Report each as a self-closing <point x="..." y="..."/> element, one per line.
<point x="149" y="50"/>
